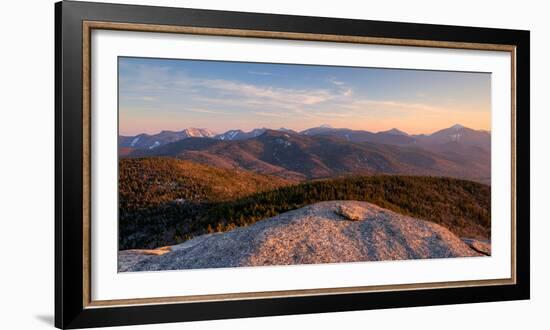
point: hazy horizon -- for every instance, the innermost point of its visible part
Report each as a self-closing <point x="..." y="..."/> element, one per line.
<point x="159" y="94"/>
<point x="298" y="131"/>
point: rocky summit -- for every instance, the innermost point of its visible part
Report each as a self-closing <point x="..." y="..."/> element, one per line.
<point x="325" y="232"/>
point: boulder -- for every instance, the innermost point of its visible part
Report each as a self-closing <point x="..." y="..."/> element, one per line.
<point x="318" y="233"/>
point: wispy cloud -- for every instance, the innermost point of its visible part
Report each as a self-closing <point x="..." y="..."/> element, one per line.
<point x="263" y="73"/>
<point x="268" y="114"/>
<point x="336" y="82"/>
<point x="197" y="110"/>
<point x="202" y="98"/>
<point x="140" y="98"/>
<point x="188" y="87"/>
<point x="285" y="95"/>
<point x="348" y="92"/>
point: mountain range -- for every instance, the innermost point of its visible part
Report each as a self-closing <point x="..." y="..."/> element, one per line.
<point x="324" y="151"/>
<point x="394" y="136"/>
<point x="146" y="141"/>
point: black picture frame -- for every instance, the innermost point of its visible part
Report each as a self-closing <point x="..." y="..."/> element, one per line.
<point x="70" y="310"/>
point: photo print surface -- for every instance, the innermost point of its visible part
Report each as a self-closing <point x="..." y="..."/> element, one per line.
<point x="231" y="164"/>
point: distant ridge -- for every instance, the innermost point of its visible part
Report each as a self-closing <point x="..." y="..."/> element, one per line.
<point x="143" y="141"/>
<point x="394" y="131"/>
<point x="324" y="151"/>
<point x="146" y="141"/>
<point x="299" y="156"/>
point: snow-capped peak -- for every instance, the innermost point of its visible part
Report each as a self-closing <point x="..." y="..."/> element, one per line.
<point x="197" y="132"/>
<point x="257" y="131"/>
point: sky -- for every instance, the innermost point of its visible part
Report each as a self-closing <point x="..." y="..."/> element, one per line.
<point x="166" y="94"/>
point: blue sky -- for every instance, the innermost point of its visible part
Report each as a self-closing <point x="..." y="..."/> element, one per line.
<point x="160" y="94"/>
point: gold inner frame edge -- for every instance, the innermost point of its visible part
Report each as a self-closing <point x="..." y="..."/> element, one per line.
<point x="88" y="26"/>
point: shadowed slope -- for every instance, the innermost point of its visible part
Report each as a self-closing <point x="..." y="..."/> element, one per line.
<point x="176" y="205"/>
<point x="299" y="156"/>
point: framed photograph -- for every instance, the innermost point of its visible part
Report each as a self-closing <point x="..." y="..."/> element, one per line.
<point x="214" y="164"/>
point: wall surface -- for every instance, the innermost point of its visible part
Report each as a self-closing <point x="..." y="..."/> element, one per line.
<point x="26" y="166"/>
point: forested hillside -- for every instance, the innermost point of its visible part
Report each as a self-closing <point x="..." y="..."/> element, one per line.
<point x="167" y="201"/>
